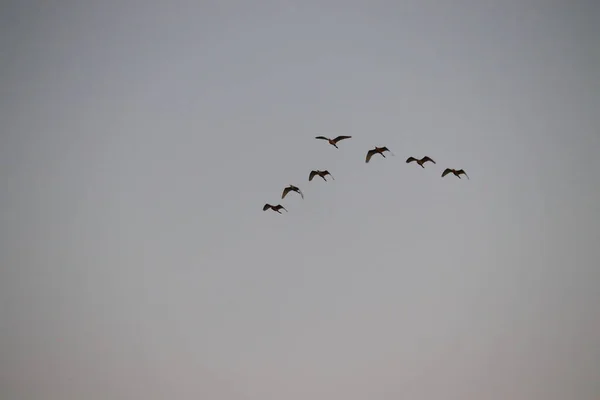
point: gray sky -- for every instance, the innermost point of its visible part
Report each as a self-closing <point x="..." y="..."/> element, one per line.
<point x="140" y="140"/>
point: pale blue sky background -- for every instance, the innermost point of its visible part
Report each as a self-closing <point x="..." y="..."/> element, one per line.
<point x="139" y="141"/>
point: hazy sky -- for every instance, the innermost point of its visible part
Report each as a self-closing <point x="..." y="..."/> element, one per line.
<point x="140" y="139"/>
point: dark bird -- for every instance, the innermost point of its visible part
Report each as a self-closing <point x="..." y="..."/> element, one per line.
<point x="291" y="188"/>
<point x="377" y="150"/>
<point x="420" y="162"/>
<point x="455" y="172"/>
<point x="322" y="174"/>
<point x="333" y="142"/>
<point x="274" y="208"/>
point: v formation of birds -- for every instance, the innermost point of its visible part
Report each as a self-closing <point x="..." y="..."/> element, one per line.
<point x="377" y="150"/>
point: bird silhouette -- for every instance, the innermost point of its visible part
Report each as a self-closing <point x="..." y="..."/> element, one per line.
<point x="377" y="150"/>
<point x="291" y="188"/>
<point x="274" y="208"/>
<point x="333" y="142"/>
<point x="322" y="174"/>
<point x="455" y="172"/>
<point x="420" y="162"/>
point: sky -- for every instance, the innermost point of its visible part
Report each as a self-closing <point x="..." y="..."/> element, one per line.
<point x="140" y="139"/>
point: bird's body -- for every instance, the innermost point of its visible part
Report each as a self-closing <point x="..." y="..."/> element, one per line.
<point x="291" y="188"/>
<point x="322" y="174"/>
<point x="420" y="162"/>
<point x="334" y="141"/>
<point x="456" y="172"/>
<point x="376" y="150"/>
<point x="274" y="208"/>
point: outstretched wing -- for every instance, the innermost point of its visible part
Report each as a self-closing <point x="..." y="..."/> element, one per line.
<point x="325" y="173"/>
<point x="312" y="175"/>
<point x="337" y="139"/>
<point x="425" y="159"/>
<point x="369" y="155"/>
<point x="462" y="171"/>
<point x="386" y="149"/>
<point x="285" y="192"/>
<point x="410" y="159"/>
<point x="321" y="137"/>
<point x="280" y="207"/>
<point x="299" y="191"/>
<point x="446" y="172"/>
<point x="266" y="207"/>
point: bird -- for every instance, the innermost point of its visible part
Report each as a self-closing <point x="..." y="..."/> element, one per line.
<point x="322" y="174"/>
<point x="274" y="208"/>
<point x="333" y="142"/>
<point x="455" y="172"/>
<point x="377" y="150"/>
<point x="420" y="162"/>
<point x="291" y="188"/>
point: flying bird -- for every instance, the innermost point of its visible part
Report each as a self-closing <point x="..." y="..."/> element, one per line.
<point x="291" y="188"/>
<point x="377" y="150"/>
<point x="455" y="172"/>
<point x="322" y="174"/>
<point x="333" y="142"/>
<point x="420" y="162"/>
<point x="274" y="208"/>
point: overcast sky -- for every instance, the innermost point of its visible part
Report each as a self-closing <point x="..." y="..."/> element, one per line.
<point x="139" y="140"/>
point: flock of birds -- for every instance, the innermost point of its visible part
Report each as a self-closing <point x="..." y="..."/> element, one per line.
<point x="370" y="154"/>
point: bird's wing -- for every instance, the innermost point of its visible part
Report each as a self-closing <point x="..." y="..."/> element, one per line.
<point x="266" y="207"/>
<point x="426" y="158"/>
<point x="321" y="137"/>
<point x="386" y="149"/>
<point x="312" y="175"/>
<point x="446" y="172"/>
<point x="280" y="207"/>
<point x="337" y="139"/>
<point x="300" y="192"/>
<point x="369" y="155"/>
<point x="462" y="171"/>
<point x="328" y="173"/>
<point x="285" y="192"/>
<point x="410" y="159"/>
